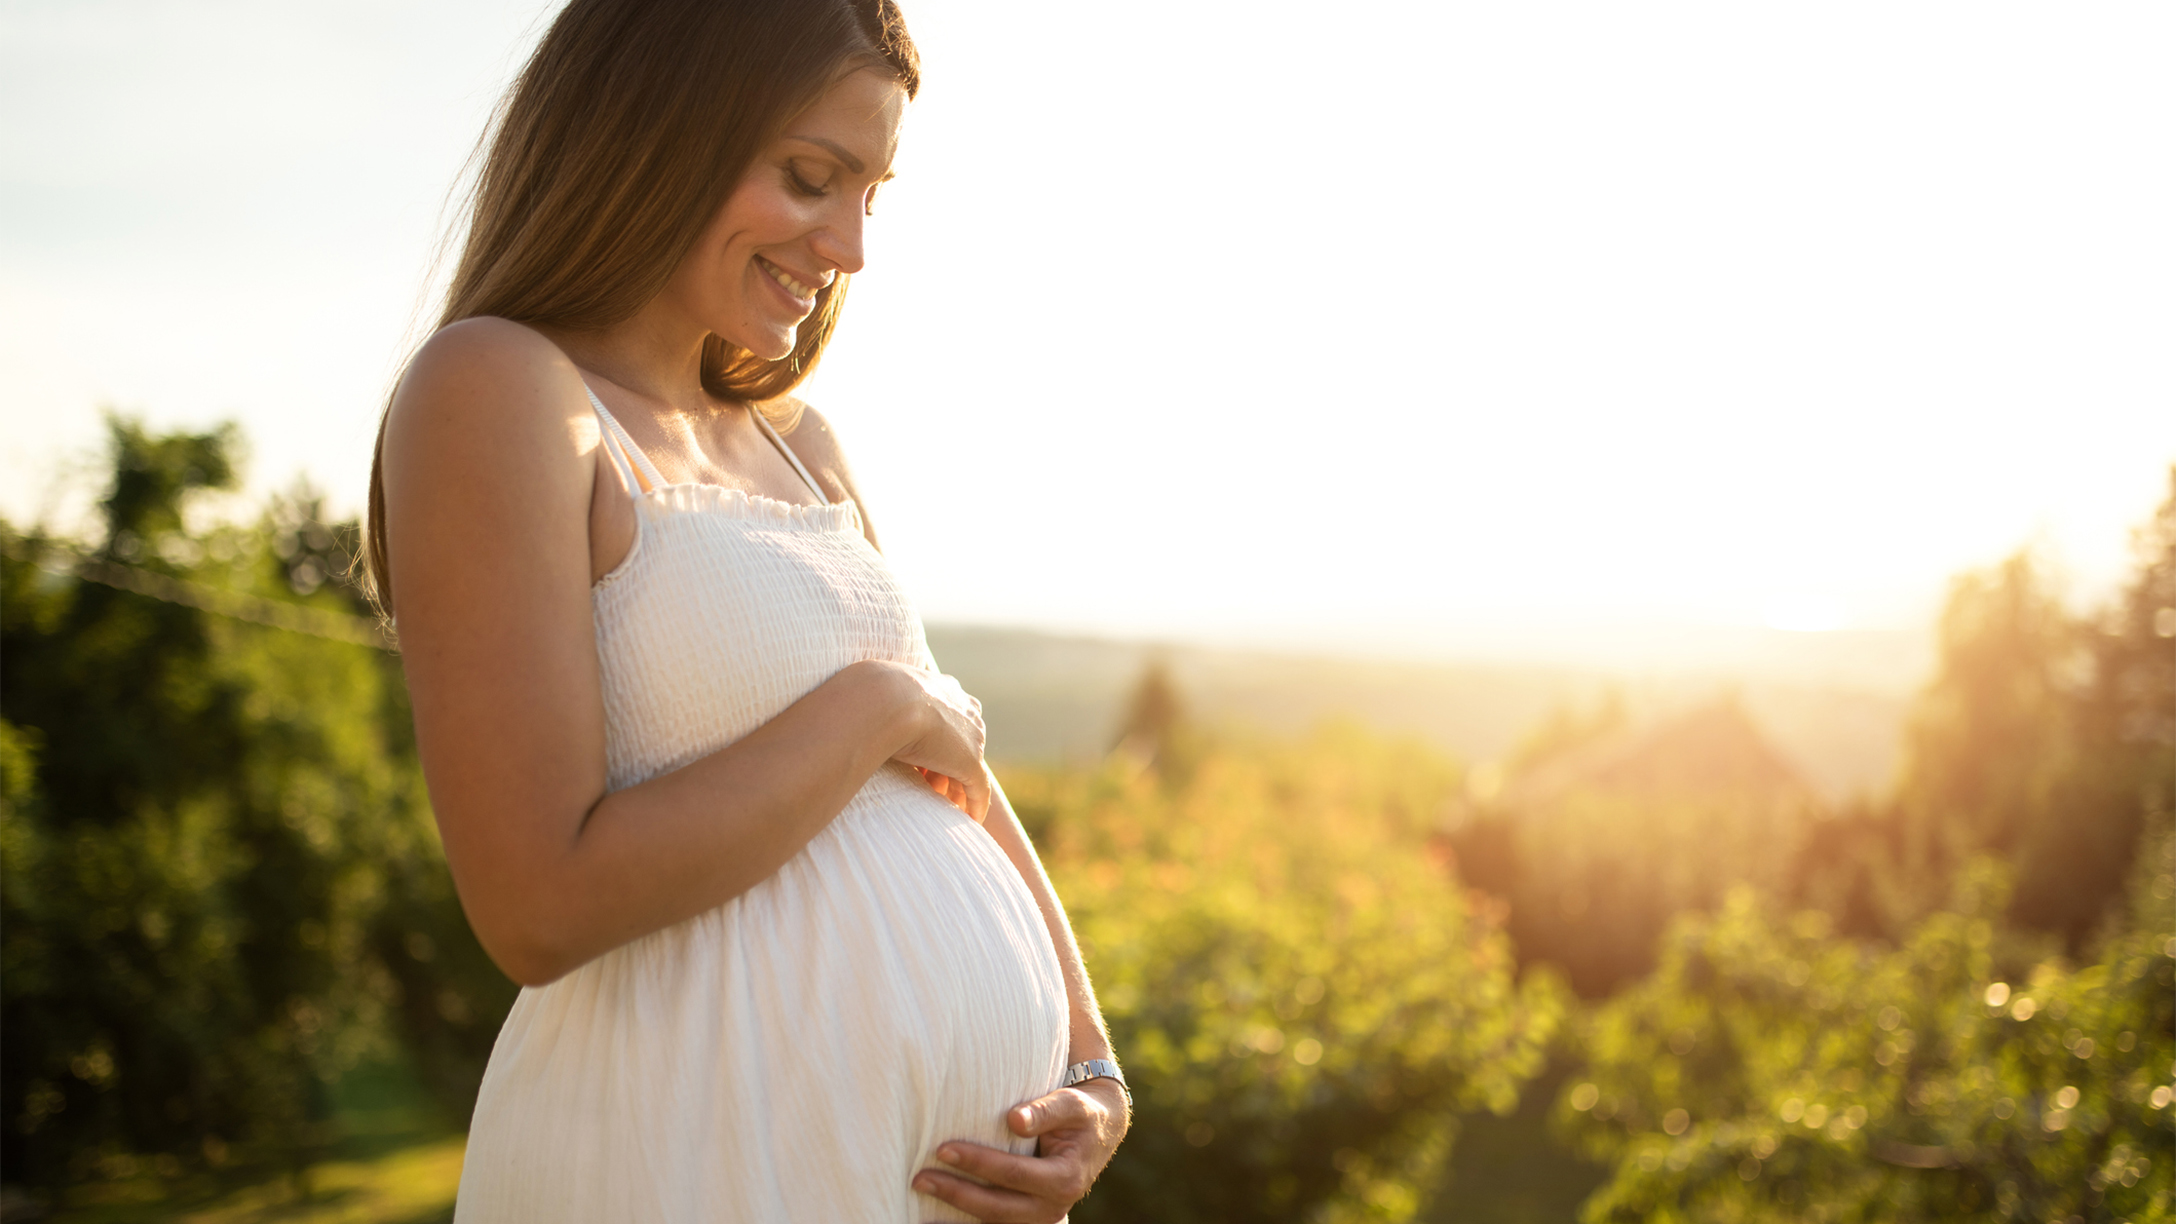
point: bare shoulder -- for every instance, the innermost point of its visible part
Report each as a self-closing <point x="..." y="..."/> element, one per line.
<point x="487" y="376"/>
<point x="488" y="463"/>
<point x="817" y="444"/>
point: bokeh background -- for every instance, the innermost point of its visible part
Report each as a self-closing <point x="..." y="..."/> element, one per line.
<point x="1582" y="598"/>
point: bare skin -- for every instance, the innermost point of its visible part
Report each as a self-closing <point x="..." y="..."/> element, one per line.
<point x="502" y="511"/>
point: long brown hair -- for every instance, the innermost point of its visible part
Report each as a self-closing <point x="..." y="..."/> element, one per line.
<point x="621" y="138"/>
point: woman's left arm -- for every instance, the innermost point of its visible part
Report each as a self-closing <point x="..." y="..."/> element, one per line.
<point x="1076" y="1129"/>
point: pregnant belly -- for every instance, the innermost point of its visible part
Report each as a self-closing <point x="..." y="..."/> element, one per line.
<point x="795" y="1054"/>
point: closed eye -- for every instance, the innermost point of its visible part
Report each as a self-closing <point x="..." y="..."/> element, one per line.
<point x="800" y="183"/>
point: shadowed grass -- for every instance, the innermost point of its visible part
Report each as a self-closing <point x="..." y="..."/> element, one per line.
<point x="1513" y="1170"/>
<point x="396" y="1161"/>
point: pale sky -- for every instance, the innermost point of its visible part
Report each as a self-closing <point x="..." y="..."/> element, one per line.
<point x="1415" y="327"/>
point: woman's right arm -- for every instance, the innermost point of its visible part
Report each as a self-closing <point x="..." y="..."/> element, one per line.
<point x="490" y="463"/>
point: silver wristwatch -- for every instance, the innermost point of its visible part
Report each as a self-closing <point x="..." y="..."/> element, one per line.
<point x="1096" y="1068"/>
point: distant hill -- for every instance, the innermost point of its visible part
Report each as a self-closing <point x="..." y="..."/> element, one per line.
<point x="1051" y="697"/>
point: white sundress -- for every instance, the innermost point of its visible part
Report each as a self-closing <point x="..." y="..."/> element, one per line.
<point x="799" y="1052"/>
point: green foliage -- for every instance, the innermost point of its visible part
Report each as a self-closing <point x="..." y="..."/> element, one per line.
<point x="216" y="855"/>
<point x="1768" y="1071"/>
<point x="1302" y="998"/>
<point x="153" y="477"/>
<point x="1934" y="1059"/>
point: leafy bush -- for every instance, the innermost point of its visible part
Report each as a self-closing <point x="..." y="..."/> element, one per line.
<point x="1770" y="1071"/>
<point x="1302" y="998"/>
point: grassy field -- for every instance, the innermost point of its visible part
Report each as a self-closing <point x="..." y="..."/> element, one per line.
<point x="1513" y="1169"/>
<point x="394" y="1161"/>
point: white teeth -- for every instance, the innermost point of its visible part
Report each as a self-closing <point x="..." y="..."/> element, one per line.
<point x="794" y="287"/>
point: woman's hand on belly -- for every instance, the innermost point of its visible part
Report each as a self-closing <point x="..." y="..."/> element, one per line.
<point x="947" y="750"/>
<point x="1075" y="1129"/>
<point x="954" y="792"/>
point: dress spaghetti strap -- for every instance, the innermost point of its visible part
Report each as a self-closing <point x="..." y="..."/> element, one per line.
<point x="634" y="467"/>
<point x="780" y="442"/>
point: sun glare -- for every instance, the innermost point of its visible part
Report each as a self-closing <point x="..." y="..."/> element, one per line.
<point x="1611" y="377"/>
<point x="1802" y="613"/>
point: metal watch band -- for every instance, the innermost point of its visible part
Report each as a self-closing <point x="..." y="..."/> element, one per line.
<point x="1096" y="1068"/>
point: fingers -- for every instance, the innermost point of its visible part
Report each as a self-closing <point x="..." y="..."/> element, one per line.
<point x="1052" y="1111"/>
<point x="1043" y="1188"/>
<point x="1025" y="1188"/>
<point x="974" y="800"/>
<point x="986" y="1203"/>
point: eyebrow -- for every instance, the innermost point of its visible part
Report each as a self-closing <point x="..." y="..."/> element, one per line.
<point x="836" y="149"/>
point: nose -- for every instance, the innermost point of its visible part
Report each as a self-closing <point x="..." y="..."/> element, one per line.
<point x="838" y="241"/>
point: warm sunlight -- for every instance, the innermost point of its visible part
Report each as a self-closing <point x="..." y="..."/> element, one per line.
<point x="1432" y="613"/>
<point x="1804" y="613"/>
<point x="1461" y="322"/>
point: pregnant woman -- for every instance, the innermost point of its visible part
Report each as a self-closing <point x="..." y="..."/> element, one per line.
<point x="788" y="954"/>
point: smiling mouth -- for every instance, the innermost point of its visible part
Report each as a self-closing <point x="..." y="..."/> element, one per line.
<point x="799" y="290"/>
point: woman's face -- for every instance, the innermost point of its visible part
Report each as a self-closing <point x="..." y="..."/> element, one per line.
<point x="794" y="220"/>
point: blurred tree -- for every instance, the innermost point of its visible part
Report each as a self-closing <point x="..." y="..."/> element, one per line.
<point x="2121" y="788"/>
<point x="1992" y="735"/>
<point x="1152" y="731"/>
<point x="1302" y="1003"/>
<point x="2047" y="739"/>
<point x="153" y="479"/>
<point x="214" y="846"/>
